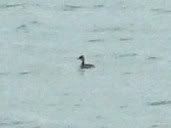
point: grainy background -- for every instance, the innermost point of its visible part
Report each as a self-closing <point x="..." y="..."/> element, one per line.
<point x="41" y="85"/>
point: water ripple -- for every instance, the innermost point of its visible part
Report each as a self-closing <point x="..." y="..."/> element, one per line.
<point x="158" y="103"/>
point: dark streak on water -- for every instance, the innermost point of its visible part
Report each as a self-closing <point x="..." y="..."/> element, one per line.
<point x="77" y="105"/>
<point x="99" y="117"/>
<point x="24" y="73"/>
<point x="96" y="40"/>
<point x="71" y="7"/>
<point x="154" y="126"/>
<point x="123" y="106"/>
<point x="161" y="11"/>
<point x="152" y="58"/>
<point x="160" y="103"/>
<point x="4" y="73"/>
<point x="34" y="22"/>
<point x="66" y="94"/>
<point x="10" y="6"/>
<point x="99" y="6"/>
<point x="23" y="28"/>
<point x="18" y="123"/>
<point x="128" y="55"/>
<point x="127" y="73"/>
<point x="108" y="29"/>
<point x="13" y="123"/>
<point x="161" y="125"/>
<point x="125" y="39"/>
<point x="76" y="7"/>
<point x="3" y="124"/>
<point x="36" y="127"/>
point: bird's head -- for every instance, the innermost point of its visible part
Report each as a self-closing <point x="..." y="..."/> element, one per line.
<point x="81" y="58"/>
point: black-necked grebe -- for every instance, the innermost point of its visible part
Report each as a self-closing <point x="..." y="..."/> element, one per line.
<point x="83" y="65"/>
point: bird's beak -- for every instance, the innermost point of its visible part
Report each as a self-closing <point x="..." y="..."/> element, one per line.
<point x="78" y="58"/>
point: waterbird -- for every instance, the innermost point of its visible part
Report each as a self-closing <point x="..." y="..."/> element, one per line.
<point x="83" y="65"/>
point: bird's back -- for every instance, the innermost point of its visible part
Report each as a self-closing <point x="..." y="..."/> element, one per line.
<point x="86" y="66"/>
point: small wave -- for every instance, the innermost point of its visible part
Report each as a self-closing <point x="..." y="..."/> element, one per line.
<point x="96" y="40"/>
<point x="24" y="73"/>
<point x="126" y="39"/>
<point x="71" y="7"/>
<point x="128" y="55"/>
<point x="161" y="10"/>
<point x="152" y="58"/>
<point x="99" y="6"/>
<point x="11" y="5"/>
<point x="158" y="103"/>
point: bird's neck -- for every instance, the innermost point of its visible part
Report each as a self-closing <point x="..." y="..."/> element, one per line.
<point x="82" y="62"/>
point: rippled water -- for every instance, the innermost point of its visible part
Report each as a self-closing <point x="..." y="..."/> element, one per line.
<point x="42" y="86"/>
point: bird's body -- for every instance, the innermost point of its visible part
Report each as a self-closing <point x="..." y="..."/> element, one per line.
<point x="86" y="66"/>
<point x="83" y="65"/>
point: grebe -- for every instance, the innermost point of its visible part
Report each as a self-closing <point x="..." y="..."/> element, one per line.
<point x="83" y="65"/>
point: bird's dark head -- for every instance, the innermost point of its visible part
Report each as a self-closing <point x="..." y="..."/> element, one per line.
<point x="81" y="57"/>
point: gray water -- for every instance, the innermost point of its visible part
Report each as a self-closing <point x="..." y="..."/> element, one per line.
<point x="42" y="86"/>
